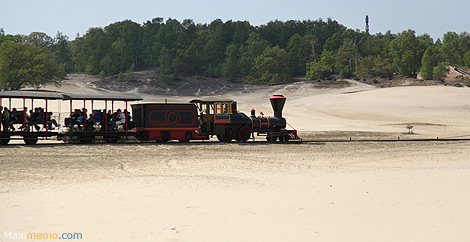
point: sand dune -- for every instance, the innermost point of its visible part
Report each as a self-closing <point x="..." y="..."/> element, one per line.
<point x="205" y="191"/>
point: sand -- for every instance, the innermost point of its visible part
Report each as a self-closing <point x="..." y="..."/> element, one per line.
<point x="207" y="191"/>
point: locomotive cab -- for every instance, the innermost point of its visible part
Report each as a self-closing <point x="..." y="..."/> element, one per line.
<point x="221" y="118"/>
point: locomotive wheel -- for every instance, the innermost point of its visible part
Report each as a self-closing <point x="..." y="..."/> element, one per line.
<point x="228" y="135"/>
<point x="284" y="138"/>
<point x="243" y="134"/>
<point x="220" y="138"/>
<point x="271" y="139"/>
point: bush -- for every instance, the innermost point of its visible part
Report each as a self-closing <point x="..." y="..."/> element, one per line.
<point x="102" y="75"/>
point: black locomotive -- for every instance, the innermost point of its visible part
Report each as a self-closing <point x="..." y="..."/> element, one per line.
<point x="221" y="118"/>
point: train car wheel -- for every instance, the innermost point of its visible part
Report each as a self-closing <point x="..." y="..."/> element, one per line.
<point x="86" y="139"/>
<point x="5" y="140"/>
<point x="111" y="139"/>
<point x="30" y="139"/>
<point x="188" y="137"/>
<point x="220" y="138"/>
<point x="228" y="135"/>
<point x="243" y="134"/>
<point x="114" y="139"/>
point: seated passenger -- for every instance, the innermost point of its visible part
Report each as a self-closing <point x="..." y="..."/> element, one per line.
<point x="77" y="118"/>
<point x="5" y="118"/>
<point x="26" y="119"/>
<point x="38" y="117"/>
<point x="97" y="116"/>
<point x="51" y="121"/>
<point x="14" y="119"/>
<point x="119" y="119"/>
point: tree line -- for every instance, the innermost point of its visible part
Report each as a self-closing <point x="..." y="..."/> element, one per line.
<point x="268" y="54"/>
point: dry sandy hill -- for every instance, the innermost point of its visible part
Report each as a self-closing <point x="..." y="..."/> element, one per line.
<point x="207" y="191"/>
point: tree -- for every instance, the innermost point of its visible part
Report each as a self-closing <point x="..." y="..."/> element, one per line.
<point x="26" y="65"/>
<point x="321" y="68"/>
<point x="299" y="51"/>
<point x="467" y="58"/>
<point x="39" y="39"/>
<point x="440" y="72"/>
<point x="345" y="56"/>
<point x="429" y="61"/>
<point x="168" y="66"/>
<point x="271" y="67"/>
<point x="370" y="66"/>
<point x="231" y="68"/>
<point x="253" y="47"/>
<point x="450" y="48"/>
<point x="62" y="52"/>
<point x="407" y="51"/>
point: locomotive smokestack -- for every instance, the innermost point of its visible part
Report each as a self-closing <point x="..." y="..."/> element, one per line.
<point x="277" y="101"/>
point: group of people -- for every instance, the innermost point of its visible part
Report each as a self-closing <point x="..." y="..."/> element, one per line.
<point x="27" y="120"/>
<point x="98" y="118"/>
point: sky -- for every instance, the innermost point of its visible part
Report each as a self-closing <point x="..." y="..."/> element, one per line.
<point x="71" y="17"/>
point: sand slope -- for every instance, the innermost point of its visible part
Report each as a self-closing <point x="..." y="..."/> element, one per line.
<point x="408" y="191"/>
<point x="231" y="192"/>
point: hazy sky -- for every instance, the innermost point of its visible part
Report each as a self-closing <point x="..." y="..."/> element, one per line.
<point x="72" y="17"/>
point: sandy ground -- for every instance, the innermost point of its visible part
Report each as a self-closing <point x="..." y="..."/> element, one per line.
<point x="206" y="191"/>
<point x="239" y="192"/>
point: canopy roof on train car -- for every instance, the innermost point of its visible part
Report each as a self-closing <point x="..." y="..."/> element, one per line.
<point x="212" y="101"/>
<point x="109" y="97"/>
<point x="35" y="94"/>
<point x="43" y="94"/>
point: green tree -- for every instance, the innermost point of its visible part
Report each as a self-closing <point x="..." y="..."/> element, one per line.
<point x="26" y="65"/>
<point x="271" y="67"/>
<point x="253" y="47"/>
<point x="429" y="61"/>
<point x="299" y="51"/>
<point x="450" y="48"/>
<point x="370" y="66"/>
<point x="322" y="68"/>
<point x="231" y="68"/>
<point x="407" y="51"/>
<point x="345" y="56"/>
<point x="440" y="72"/>
<point x="168" y="66"/>
<point x="39" y="39"/>
<point x="467" y="58"/>
<point x="62" y="52"/>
